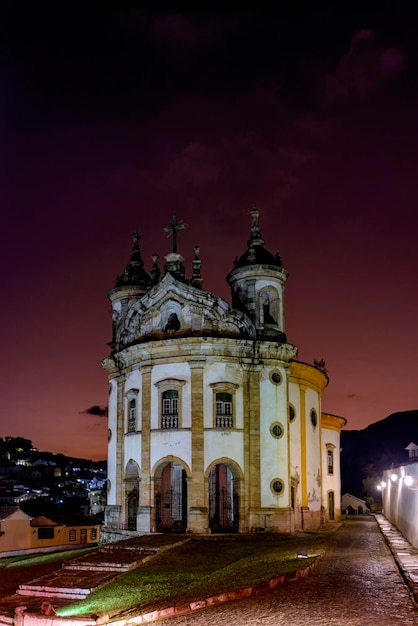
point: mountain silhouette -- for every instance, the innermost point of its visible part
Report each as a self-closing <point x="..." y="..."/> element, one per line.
<point x="366" y="453"/>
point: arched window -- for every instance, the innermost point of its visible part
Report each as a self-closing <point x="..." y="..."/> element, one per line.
<point x="269" y="307"/>
<point x="267" y="316"/>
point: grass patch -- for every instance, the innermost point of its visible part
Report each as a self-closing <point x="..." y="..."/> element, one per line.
<point x="26" y="560"/>
<point x="200" y="568"/>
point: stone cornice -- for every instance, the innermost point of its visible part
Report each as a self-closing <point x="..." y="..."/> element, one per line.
<point x="332" y="422"/>
<point x="308" y="374"/>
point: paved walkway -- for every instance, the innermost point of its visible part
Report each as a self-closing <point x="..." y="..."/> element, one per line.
<point x="356" y="582"/>
<point x="360" y="580"/>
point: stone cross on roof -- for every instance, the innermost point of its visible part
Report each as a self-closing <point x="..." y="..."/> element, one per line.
<point x="172" y="229"/>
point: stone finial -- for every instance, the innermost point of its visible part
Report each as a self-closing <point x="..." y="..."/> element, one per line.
<point x="197" y="280"/>
<point x="255" y="236"/>
<point x="155" y="270"/>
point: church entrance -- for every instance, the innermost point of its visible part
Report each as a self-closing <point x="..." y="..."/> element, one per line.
<point x="131" y="494"/>
<point x="132" y="508"/>
<point x="171" y="499"/>
<point x="223" y="500"/>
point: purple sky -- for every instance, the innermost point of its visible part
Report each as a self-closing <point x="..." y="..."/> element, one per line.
<point x="112" y="120"/>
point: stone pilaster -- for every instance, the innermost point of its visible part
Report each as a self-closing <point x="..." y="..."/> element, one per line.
<point x="197" y="493"/>
<point x="145" y="509"/>
<point x="252" y="470"/>
<point x="120" y="442"/>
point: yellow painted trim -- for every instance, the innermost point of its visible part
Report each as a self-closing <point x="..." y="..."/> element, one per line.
<point x="332" y="422"/>
<point x="308" y="374"/>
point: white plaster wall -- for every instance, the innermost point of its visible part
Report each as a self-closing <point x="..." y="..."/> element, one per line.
<point x="274" y="453"/>
<point x="173" y="442"/>
<point x="133" y="443"/>
<point x="223" y="443"/>
<point x="331" y="482"/>
<point x="294" y="433"/>
<point x="111" y="446"/>
<point x="313" y="451"/>
<point x="400" y="501"/>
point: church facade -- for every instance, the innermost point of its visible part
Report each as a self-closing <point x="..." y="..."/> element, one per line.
<point x="214" y="425"/>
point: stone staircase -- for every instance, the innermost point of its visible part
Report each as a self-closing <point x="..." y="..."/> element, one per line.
<point x="80" y="577"/>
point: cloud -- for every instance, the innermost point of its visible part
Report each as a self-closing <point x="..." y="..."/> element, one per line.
<point x="369" y="64"/>
<point x="174" y="32"/>
<point x="96" y="410"/>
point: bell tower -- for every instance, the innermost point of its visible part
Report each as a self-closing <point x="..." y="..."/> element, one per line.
<point x="257" y="286"/>
<point x="129" y="288"/>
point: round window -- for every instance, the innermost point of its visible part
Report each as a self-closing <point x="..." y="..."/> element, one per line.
<point x="277" y="485"/>
<point x="314" y="417"/>
<point x="276" y="430"/>
<point x="292" y="413"/>
<point x="109" y="434"/>
<point x="276" y="378"/>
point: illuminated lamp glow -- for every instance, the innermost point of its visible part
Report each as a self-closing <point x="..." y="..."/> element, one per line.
<point x="394" y="477"/>
<point x="383" y="484"/>
<point x="408" y="480"/>
<point x="379" y="487"/>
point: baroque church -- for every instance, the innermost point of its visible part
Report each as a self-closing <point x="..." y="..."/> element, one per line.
<point x="214" y="425"/>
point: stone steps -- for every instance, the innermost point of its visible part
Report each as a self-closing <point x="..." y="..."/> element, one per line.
<point x="80" y="577"/>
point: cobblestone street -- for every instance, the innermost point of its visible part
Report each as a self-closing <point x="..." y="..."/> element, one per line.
<point x="356" y="582"/>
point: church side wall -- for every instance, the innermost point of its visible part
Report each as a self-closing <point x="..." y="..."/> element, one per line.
<point x="400" y="500"/>
<point x="313" y="456"/>
<point x="295" y="459"/>
<point x="331" y="482"/>
<point x="274" y="457"/>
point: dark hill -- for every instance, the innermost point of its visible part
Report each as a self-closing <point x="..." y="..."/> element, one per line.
<point x="366" y="453"/>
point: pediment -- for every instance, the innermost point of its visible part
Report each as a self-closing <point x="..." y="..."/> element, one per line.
<point x="174" y="309"/>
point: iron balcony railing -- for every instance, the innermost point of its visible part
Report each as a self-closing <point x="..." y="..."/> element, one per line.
<point x="170" y="421"/>
<point x="224" y="421"/>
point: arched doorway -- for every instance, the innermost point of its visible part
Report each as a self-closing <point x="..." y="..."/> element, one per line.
<point x="223" y="499"/>
<point x="331" y="509"/>
<point x="171" y="499"/>
<point x="133" y="498"/>
<point x="131" y="493"/>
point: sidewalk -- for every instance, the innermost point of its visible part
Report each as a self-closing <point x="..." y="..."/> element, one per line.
<point x="405" y="555"/>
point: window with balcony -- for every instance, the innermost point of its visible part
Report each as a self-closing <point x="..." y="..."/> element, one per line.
<point x="330" y="460"/>
<point x="170" y="409"/>
<point x="132" y="416"/>
<point x="224" y="404"/>
<point x="224" y="416"/>
<point x="132" y="410"/>
<point x="169" y="403"/>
